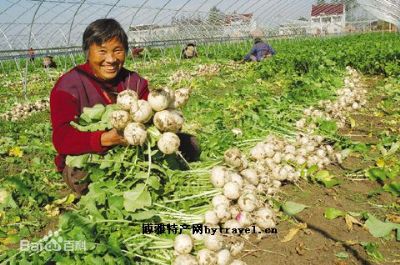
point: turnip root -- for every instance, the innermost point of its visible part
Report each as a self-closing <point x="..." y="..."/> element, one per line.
<point x="168" y="121"/>
<point x="141" y="112"/>
<point x="185" y="259"/>
<point x="126" y="99"/>
<point x="213" y="242"/>
<point x="183" y="244"/>
<point x="119" y="119"/>
<point x="159" y="99"/>
<point x="135" y="133"/>
<point x="168" y="143"/>
<point x="206" y="257"/>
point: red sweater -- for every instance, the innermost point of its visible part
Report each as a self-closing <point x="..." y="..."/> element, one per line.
<point x="75" y="90"/>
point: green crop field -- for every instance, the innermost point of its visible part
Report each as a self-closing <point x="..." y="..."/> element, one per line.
<point x="338" y="202"/>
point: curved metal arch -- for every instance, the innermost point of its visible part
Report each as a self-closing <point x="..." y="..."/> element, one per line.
<point x="73" y="20"/>
<point x="33" y="21"/>
<point x="285" y="6"/>
<point x="36" y="41"/>
<point x="109" y="11"/>
<point x="79" y="23"/>
<point x="234" y="2"/>
<point x="273" y="10"/>
<point x="124" y="16"/>
<point x="15" y="59"/>
<point x="55" y="16"/>
<point x="6" y="38"/>
<point x="8" y="8"/>
<point x="252" y="5"/>
<point x="46" y="11"/>
<point x="137" y="11"/>
<point x="29" y="43"/>
<point x="18" y="17"/>
<point x="239" y="7"/>
<point x="179" y="9"/>
<point x="159" y="11"/>
<point x="202" y="4"/>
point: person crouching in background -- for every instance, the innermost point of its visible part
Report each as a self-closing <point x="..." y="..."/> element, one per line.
<point x="259" y="51"/>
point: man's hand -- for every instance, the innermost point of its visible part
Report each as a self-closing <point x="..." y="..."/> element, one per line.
<point x="111" y="138"/>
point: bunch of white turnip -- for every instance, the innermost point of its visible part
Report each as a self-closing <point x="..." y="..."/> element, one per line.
<point x="351" y="97"/>
<point x="135" y="116"/>
<point x="22" y="111"/>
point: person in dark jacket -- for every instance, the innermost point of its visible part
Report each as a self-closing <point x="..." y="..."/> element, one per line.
<point x="137" y="51"/>
<point x="48" y="62"/>
<point x="189" y="51"/>
<point x="98" y="81"/>
<point x="31" y="54"/>
<point x="259" y="51"/>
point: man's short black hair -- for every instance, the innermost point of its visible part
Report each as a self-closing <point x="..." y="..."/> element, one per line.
<point x="257" y="40"/>
<point x="102" y="30"/>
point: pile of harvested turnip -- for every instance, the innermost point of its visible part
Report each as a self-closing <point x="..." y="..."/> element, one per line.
<point x="180" y="76"/>
<point x="214" y="250"/>
<point x="351" y="97"/>
<point x="207" y="69"/>
<point x="22" y="111"/>
<point x="247" y="182"/>
<point x="201" y="70"/>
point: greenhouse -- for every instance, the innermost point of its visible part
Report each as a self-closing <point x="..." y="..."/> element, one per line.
<point x="183" y="132"/>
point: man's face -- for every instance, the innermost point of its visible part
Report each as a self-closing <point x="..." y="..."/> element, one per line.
<point x="107" y="59"/>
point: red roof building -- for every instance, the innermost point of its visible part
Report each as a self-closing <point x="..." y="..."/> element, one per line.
<point x="327" y="19"/>
<point x="327" y="10"/>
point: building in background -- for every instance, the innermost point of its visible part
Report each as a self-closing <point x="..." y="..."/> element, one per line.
<point x="294" y="27"/>
<point x="327" y="19"/>
<point x="189" y="28"/>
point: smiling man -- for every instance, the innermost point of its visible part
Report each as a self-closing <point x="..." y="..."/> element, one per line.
<point x="98" y="81"/>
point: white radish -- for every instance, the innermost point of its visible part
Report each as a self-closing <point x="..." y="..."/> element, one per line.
<point x="237" y="247"/>
<point x="141" y="112"/>
<point x="218" y="176"/>
<point x="135" y="133"/>
<point x="126" y="99"/>
<point x="159" y="99"/>
<point x="119" y="119"/>
<point x="220" y="199"/>
<point x="232" y="223"/>
<point x="222" y="212"/>
<point x="233" y="158"/>
<point x="223" y="257"/>
<point x="244" y="219"/>
<point x="206" y="257"/>
<point x="232" y="190"/>
<point x="183" y="244"/>
<point x="247" y="202"/>
<point x="264" y="218"/>
<point x="185" y="259"/>
<point x="181" y="97"/>
<point x="210" y="217"/>
<point x="213" y="242"/>
<point x="250" y="175"/>
<point x="168" y="143"/>
<point x="168" y="121"/>
<point x="235" y="177"/>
